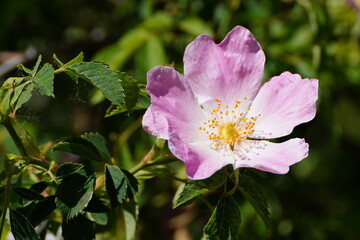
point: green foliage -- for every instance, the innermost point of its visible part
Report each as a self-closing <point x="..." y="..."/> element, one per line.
<point x="44" y="80"/>
<point x="21" y="227"/>
<point x="253" y="193"/>
<point x="91" y="146"/>
<point x="116" y="184"/>
<point x="74" y="191"/>
<point x="102" y="77"/>
<point x="192" y="189"/>
<point x="225" y="221"/>
<point x="27" y="194"/>
<point x="77" y="228"/>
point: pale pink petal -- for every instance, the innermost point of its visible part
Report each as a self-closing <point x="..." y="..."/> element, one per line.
<point x="173" y="106"/>
<point x="283" y="102"/>
<point x="228" y="71"/>
<point x="273" y="157"/>
<point x="201" y="161"/>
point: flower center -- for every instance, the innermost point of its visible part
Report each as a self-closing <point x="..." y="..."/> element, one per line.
<point x="229" y="126"/>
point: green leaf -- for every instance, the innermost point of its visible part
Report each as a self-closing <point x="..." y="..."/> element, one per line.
<point x="75" y="192"/>
<point x="21" y="228"/>
<point x="39" y="186"/>
<point x="6" y="93"/>
<point x="24" y="97"/>
<point x="116" y="184"/>
<point x="130" y="212"/>
<point x="131" y="90"/>
<point x="102" y="77"/>
<point x="253" y="193"/>
<point x="37" y="64"/>
<point x="44" y="80"/>
<point x="186" y="193"/>
<point x="225" y="221"/>
<point x="96" y="206"/>
<point x="37" y="212"/>
<point x="57" y="61"/>
<point x="132" y="183"/>
<point x="98" y="218"/>
<point x="99" y="143"/>
<point x="78" y="228"/>
<point x="27" y="194"/>
<point x="78" y="59"/>
<point x="67" y="169"/>
<point x="143" y="102"/>
<point x="80" y="147"/>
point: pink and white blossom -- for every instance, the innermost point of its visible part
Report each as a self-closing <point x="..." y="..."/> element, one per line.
<point x="219" y="112"/>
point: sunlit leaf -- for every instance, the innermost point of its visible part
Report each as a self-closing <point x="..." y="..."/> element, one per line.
<point x="44" y="80"/>
<point x="102" y="77"/>
<point x="131" y="90"/>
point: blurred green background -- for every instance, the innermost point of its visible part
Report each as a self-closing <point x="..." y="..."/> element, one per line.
<point x="318" y="199"/>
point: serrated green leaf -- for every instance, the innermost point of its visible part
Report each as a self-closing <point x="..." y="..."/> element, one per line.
<point x="78" y="228"/>
<point x="78" y="59"/>
<point x="131" y="90"/>
<point x="224" y="221"/>
<point x="80" y="147"/>
<point x="99" y="142"/>
<point x="27" y="194"/>
<point x="102" y="77"/>
<point x="67" y="169"/>
<point x="21" y="228"/>
<point x="253" y="193"/>
<point x="193" y="189"/>
<point x="116" y="184"/>
<point x="75" y="192"/>
<point x="143" y="102"/>
<point x="130" y="212"/>
<point x="37" y="212"/>
<point x="44" y="80"/>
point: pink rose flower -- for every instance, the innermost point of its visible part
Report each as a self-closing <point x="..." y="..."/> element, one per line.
<point x="219" y="112"/>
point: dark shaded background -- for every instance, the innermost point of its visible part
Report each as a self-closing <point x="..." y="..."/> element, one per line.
<point x="318" y="199"/>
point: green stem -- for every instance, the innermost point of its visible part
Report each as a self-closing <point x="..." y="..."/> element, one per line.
<point x="60" y="70"/>
<point x="158" y="161"/>
<point x="236" y="183"/>
<point x="15" y="137"/>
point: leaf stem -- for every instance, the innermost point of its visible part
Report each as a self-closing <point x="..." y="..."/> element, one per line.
<point x="15" y="137"/>
<point x="236" y="183"/>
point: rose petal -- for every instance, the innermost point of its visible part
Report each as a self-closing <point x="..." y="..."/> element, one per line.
<point x="173" y="106"/>
<point x="201" y="161"/>
<point x="228" y="71"/>
<point x="273" y="157"/>
<point x="283" y="102"/>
